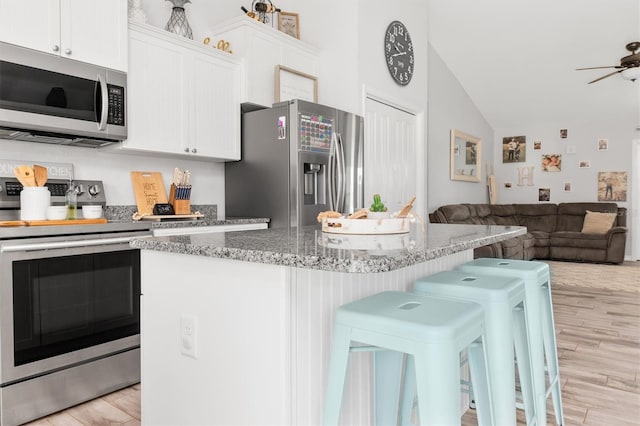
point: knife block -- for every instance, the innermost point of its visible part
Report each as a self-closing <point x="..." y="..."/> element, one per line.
<point x="180" y="206"/>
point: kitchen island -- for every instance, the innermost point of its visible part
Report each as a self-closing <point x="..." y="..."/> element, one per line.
<point x="236" y="327"/>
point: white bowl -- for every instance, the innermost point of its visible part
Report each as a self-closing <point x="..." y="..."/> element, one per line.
<point x="56" y="212"/>
<point x="92" y="212"/>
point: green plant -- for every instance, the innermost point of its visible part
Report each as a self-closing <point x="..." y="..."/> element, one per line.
<point x="377" y="205"/>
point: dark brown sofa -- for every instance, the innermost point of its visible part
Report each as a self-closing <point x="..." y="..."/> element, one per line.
<point x="554" y="231"/>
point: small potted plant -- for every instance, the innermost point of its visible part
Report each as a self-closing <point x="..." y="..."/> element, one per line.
<point x="377" y="210"/>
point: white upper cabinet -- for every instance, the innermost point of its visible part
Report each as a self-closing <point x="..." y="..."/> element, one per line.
<point x="183" y="97"/>
<point x="262" y="48"/>
<point x="93" y="31"/>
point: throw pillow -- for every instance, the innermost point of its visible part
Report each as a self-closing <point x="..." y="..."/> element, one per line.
<point x="598" y="223"/>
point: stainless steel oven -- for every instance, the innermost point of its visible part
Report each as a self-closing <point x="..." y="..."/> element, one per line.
<point x="69" y="316"/>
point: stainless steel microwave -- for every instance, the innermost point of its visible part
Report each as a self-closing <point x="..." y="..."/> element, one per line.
<point x="52" y="99"/>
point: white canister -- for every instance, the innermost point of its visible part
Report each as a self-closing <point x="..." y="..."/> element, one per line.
<point x="34" y="201"/>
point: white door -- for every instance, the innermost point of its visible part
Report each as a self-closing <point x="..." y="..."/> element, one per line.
<point x="633" y="219"/>
<point x="393" y="155"/>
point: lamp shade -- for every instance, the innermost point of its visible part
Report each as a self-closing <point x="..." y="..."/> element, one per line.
<point x="631" y="73"/>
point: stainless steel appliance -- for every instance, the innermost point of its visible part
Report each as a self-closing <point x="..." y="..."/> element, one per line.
<point x="298" y="159"/>
<point x="52" y="99"/>
<point x="69" y="311"/>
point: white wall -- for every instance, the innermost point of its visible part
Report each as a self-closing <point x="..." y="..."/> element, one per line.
<point x="451" y="108"/>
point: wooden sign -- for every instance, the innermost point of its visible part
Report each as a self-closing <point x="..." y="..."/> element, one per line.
<point x="148" y="189"/>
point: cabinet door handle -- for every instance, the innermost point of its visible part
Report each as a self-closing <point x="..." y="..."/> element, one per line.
<point x="67" y="51"/>
<point x="194" y="150"/>
<point x="55" y="48"/>
<point x="186" y="150"/>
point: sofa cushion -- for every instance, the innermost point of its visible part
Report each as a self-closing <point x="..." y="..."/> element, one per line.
<point x="542" y="238"/>
<point x="537" y="217"/>
<point x="598" y="223"/>
<point x="528" y="241"/>
<point x="579" y="240"/>
<point x="454" y="213"/>
<point x="503" y="214"/>
<point x="571" y="215"/>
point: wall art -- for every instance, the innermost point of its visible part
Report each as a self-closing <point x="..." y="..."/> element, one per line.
<point x="289" y="23"/>
<point x="537" y="145"/>
<point x="525" y="174"/>
<point x="612" y="186"/>
<point x="293" y="84"/>
<point x="584" y="164"/>
<point x="564" y="133"/>
<point x="551" y="162"/>
<point x="544" y="194"/>
<point x="567" y="187"/>
<point x="514" y="149"/>
<point x="603" y="144"/>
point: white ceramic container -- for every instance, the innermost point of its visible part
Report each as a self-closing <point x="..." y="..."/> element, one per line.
<point x="34" y="201"/>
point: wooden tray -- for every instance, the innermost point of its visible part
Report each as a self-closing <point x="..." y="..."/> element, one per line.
<point x="158" y="217"/>
<point x="52" y="222"/>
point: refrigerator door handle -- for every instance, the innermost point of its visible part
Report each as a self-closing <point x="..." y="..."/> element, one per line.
<point x="331" y="173"/>
<point x="341" y="172"/>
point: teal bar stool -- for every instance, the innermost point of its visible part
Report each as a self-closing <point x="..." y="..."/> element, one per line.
<point x="503" y="300"/>
<point x="540" y="323"/>
<point x="434" y="331"/>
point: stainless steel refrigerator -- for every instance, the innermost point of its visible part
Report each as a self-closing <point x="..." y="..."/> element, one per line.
<point x="298" y="159"/>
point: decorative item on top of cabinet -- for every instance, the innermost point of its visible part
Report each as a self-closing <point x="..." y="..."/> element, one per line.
<point x="178" y="23"/>
<point x="289" y="23"/>
<point x="293" y="84"/>
<point x="136" y="13"/>
<point x="221" y="45"/>
<point x="260" y="10"/>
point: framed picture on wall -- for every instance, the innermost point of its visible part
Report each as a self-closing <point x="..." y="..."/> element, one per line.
<point x="567" y="187"/>
<point x="603" y="144"/>
<point x="514" y="149"/>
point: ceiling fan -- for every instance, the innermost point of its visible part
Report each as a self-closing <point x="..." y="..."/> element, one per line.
<point x="631" y="62"/>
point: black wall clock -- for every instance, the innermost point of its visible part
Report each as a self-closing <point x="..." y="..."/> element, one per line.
<point x="398" y="53"/>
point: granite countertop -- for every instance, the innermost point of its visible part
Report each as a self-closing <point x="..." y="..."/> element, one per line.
<point x="210" y="212"/>
<point x="308" y="247"/>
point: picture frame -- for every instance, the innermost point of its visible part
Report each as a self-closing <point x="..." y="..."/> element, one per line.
<point x="612" y="186"/>
<point x="294" y="84"/>
<point x="544" y="194"/>
<point x="467" y="164"/>
<point x="567" y="187"/>
<point x="289" y="23"/>
<point x="537" y="145"/>
<point x="584" y="164"/>
<point x="551" y="162"/>
<point x="514" y="149"/>
<point x="603" y="144"/>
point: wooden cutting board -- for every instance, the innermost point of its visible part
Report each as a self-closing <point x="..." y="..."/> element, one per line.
<point x="52" y="222"/>
<point x="148" y="189"/>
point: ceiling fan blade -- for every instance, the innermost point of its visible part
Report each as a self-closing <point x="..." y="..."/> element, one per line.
<point x="607" y="75"/>
<point x="596" y="68"/>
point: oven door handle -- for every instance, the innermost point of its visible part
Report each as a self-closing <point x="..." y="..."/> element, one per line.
<point x="66" y="244"/>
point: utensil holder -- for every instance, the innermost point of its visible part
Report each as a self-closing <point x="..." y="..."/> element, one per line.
<point x="34" y="201"/>
<point x="179" y="198"/>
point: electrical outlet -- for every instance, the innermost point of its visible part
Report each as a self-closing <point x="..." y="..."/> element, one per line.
<point x="188" y="336"/>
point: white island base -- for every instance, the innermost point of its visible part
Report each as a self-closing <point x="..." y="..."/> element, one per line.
<point x="262" y="335"/>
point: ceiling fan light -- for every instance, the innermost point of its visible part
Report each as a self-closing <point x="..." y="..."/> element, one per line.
<point x="631" y="73"/>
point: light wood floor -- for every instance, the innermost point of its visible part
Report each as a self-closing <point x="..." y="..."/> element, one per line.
<point x="597" y="315"/>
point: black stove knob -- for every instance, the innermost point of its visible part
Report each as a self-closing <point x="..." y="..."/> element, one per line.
<point x="94" y="190"/>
